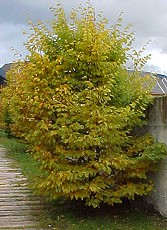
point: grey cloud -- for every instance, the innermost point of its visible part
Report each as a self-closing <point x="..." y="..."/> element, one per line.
<point x="10" y="32"/>
<point x="15" y="11"/>
<point x="149" y="19"/>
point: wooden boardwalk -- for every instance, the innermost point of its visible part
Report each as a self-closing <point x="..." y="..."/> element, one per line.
<point x="19" y="208"/>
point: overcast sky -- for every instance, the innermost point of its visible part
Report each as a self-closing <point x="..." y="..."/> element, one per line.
<point x="148" y="17"/>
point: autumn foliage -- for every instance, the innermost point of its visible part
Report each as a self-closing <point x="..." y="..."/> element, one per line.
<point x="75" y="103"/>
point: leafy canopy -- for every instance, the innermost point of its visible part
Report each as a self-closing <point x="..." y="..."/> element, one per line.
<point x="76" y="104"/>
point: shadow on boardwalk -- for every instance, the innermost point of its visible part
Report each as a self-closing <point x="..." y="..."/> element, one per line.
<point x="19" y="208"/>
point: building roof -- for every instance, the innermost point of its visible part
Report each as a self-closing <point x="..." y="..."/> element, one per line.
<point x="2" y="73"/>
<point x="4" y="69"/>
<point x="161" y="85"/>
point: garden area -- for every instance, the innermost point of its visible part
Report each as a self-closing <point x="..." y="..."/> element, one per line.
<point x="72" y="215"/>
<point x="69" y="115"/>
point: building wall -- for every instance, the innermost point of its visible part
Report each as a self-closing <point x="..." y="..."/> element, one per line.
<point x="157" y="114"/>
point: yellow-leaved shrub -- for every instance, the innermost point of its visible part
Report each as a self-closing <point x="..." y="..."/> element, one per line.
<point x="76" y="104"/>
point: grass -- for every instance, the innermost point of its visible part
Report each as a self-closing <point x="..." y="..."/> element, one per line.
<point x="18" y="151"/>
<point x="75" y="216"/>
<point x="72" y="215"/>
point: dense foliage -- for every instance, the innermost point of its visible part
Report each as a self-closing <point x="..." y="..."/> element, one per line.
<point x="75" y="103"/>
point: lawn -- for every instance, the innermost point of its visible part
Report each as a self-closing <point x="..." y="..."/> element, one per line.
<point x="74" y="215"/>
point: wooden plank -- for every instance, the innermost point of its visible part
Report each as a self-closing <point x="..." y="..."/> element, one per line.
<point x="19" y="208"/>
